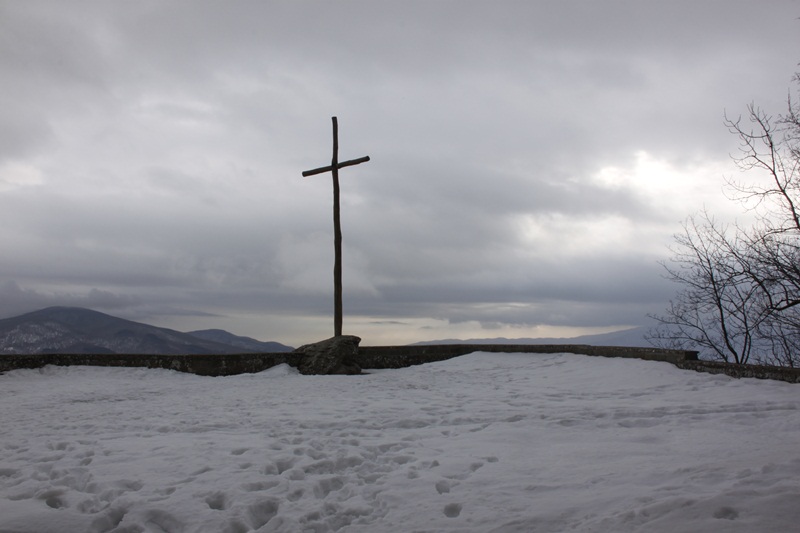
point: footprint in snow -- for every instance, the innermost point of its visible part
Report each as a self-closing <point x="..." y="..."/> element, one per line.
<point x="452" y="510"/>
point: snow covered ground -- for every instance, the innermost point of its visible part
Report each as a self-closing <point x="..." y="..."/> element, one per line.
<point x="484" y="442"/>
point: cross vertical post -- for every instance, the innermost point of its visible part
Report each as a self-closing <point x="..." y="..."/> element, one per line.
<point x="337" y="235"/>
<point x="337" y="227"/>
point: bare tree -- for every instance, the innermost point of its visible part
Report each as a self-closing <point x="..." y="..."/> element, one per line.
<point x="716" y="309"/>
<point x="740" y="296"/>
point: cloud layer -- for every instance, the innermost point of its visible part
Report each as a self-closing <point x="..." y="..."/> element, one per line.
<point x="530" y="161"/>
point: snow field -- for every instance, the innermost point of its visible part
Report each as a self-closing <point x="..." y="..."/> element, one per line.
<point x="484" y="442"/>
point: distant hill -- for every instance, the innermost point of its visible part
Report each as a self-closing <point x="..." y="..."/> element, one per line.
<point x="629" y="337"/>
<point x="78" y="330"/>
<point x="245" y="343"/>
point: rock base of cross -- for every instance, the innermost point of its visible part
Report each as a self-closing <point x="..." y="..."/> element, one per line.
<point x="337" y="355"/>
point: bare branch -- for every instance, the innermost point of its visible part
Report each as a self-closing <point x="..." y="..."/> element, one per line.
<point x="740" y="287"/>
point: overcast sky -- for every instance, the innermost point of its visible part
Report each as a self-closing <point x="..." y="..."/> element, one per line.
<point x="530" y="161"/>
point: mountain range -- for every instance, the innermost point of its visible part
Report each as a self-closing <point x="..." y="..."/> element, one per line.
<point x="78" y="330"/>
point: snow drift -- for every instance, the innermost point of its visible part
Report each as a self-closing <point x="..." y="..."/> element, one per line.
<point x="484" y="442"/>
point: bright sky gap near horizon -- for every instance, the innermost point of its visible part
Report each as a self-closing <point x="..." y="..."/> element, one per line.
<point x="530" y="160"/>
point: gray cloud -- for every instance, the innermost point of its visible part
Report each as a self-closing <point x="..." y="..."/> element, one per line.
<point x="529" y="161"/>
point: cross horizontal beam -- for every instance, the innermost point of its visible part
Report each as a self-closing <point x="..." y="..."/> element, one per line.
<point x="329" y="168"/>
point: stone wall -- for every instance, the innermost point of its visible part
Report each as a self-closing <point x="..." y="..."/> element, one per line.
<point x="204" y="365"/>
<point x="368" y="357"/>
<point x="388" y="357"/>
<point x="401" y="356"/>
<point x="790" y="375"/>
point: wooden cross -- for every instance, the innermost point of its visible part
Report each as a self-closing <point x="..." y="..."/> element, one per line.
<point x="337" y="228"/>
